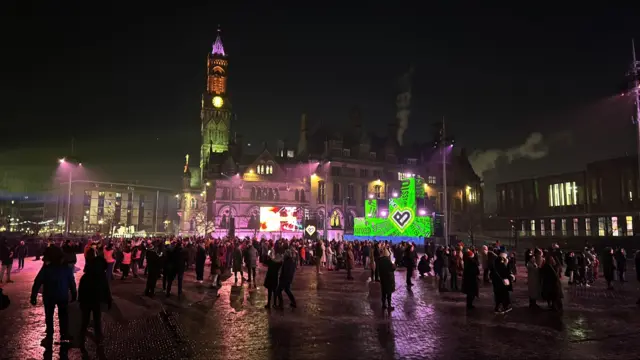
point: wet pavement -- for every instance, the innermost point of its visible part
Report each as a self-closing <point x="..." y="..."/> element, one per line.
<point x="335" y="319"/>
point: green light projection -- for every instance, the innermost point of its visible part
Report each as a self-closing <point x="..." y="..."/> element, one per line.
<point x="402" y="219"/>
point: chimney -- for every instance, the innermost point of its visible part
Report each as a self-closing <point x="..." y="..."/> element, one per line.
<point x="302" y="140"/>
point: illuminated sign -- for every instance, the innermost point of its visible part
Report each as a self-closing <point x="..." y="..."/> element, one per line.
<point x="275" y="218"/>
<point x="310" y="229"/>
<point x="401" y="219"/>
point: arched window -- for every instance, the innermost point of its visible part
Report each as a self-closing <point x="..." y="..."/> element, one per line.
<point x="277" y="194"/>
<point x="192" y="224"/>
<point x="302" y="197"/>
<point x="253" y="193"/>
<point x="335" y="219"/>
<point x="297" y="195"/>
<point x="270" y="195"/>
<point x="194" y="203"/>
<point x="259" y="193"/>
<point x="321" y="191"/>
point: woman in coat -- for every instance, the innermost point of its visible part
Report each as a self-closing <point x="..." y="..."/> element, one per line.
<point x="351" y="261"/>
<point x="274" y="262"/>
<point x="236" y="260"/>
<point x="372" y="261"/>
<point x="215" y="266"/>
<point x="387" y="278"/>
<point x="502" y="280"/>
<point x="608" y="267"/>
<point x="286" y="279"/>
<point x="534" y="283"/>
<point x="470" y="274"/>
<point x="551" y="286"/>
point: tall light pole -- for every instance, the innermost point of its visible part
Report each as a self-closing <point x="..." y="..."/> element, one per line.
<point x="635" y="72"/>
<point x="72" y="163"/>
<point x="444" y="183"/>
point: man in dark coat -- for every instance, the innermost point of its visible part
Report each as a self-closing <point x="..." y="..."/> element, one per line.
<point x="21" y="253"/>
<point x="57" y="281"/>
<point x="236" y="266"/>
<point x="250" y="258"/>
<point x="6" y="261"/>
<point x="274" y="262"/>
<point x="153" y="270"/>
<point x="502" y="280"/>
<point x="201" y="258"/>
<point x="387" y="278"/>
<point x="286" y="279"/>
<point x="93" y="290"/>
<point x="470" y="275"/>
<point x="410" y="257"/>
<point x="176" y="260"/>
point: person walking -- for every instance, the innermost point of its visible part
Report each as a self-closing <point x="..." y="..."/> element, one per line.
<point x="125" y="264"/>
<point x="56" y="280"/>
<point x="108" y="257"/>
<point x="409" y="260"/>
<point x="286" y="279"/>
<point x="93" y="290"/>
<point x="502" y="282"/>
<point x="274" y="262"/>
<point x="534" y="282"/>
<point x="153" y="270"/>
<point x="176" y="261"/>
<point x="387" y="278"/>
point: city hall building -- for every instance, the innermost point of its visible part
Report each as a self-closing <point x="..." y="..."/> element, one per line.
<point x="326" y="175"/>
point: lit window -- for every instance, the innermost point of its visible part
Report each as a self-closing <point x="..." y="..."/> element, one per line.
<point x="614" y="226"/>
<point x="194" y="203"/>
<point x="629" y="220"/>
<point x="290" y="153"/>
<point x="556" y="195"/>
<point x="601" y="226"/>
<point x="523" y="229"/>
<point x="377" y="190"/>
<point x="431" y="180"/>
<point x="553" y="227"/>
<point x="551" y="202"/>
<point x="575" y="227"/>
<point x="587" y="227"/>
<point x="630" y="195"/>
<point x="412" y="161"/>
<point x="542" y="230"/>
<point x="533" y="228"/>
<point x="564" y="227"/>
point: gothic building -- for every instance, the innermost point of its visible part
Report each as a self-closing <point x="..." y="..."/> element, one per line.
<point x="326" y="177"/>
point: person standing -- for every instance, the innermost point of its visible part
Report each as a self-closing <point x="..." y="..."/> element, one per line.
<point x="470" y="276"/>
<point x="274" y="262"/>
<point x="201" y="258"/>
<point x="136" y="253"/>
<point x="286" y="279"/>
<point x="250" y="260"/>
<point x="410" y="258"/>
<point x="534" y="283"/>
<point x="21" y="253"/>
<point x="502" y="284"/>
<point x="236" y="260"/>
<point x="125" y="264"/>
<point x="351" y="261"/>
<point x="608" y="267"/>
<point x="93" y="290"/>
<point x="153" y="270"/>
<point x="57" y="281"/>
<point x="319" y="255"/>
<point x="176" y="261"/>
<point x="387" y="278"/>
<point x="6" y="258"/>
<point x="108" y="257"/>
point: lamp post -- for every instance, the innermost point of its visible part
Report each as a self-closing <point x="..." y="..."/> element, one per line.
<point x="72" y="163"/>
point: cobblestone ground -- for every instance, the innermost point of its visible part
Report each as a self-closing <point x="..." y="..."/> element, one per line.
<point x="336" y="319"/>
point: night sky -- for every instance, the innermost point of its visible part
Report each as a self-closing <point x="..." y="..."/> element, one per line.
<point x="125" y="81"/>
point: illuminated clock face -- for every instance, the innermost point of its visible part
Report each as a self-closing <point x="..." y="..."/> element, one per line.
<point x="217" y="101"/>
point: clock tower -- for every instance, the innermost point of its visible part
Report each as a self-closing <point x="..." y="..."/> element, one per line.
<point x="216" y="112"/>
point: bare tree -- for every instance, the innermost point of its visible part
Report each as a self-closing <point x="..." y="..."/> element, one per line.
<point x="470" y="221"/>
<point x="202" y="225"/>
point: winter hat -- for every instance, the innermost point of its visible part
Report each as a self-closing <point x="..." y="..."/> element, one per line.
<point x="470" y="253"/>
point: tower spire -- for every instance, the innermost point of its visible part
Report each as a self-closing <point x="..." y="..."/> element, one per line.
<point x="218" y="49"/>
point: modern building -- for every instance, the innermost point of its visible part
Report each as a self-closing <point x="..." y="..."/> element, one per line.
<point x="114" y="208"/>
<point x="600" y="201"/>
<point x="326" y="177"/>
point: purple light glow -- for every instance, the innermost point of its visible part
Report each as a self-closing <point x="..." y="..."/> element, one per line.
<point x="395" y="194"/>
<point x="383" y="213"/>
<point x="370" y="196"/>
<point x="422" y="212"/>
<point x="218" y="49"/>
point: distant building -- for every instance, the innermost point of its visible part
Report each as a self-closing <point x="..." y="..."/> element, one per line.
<point x="114" y="208"/>
<point x="326" y="177"/>
<point x="600" y="201"/>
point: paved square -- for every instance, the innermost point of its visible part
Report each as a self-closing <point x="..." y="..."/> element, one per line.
<point x="336" y="319"/>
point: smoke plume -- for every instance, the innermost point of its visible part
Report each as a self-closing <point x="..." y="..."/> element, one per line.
<point x="534" y="147"/>
<point x="403" y="102"/>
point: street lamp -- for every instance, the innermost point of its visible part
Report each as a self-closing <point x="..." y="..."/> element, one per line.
<point x="72" y="163"/>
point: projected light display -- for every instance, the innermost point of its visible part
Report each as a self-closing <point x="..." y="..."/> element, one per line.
<point x="274" y="218"/>
<point x="401" y="219"/>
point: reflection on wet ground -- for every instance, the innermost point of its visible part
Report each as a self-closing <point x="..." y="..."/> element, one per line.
<point x="335" y="319"/>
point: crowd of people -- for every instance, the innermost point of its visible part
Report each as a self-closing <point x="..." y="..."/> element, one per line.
<point x="455" y="268"/>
